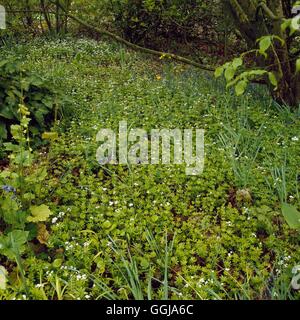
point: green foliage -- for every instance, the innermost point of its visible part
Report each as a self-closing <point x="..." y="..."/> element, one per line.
<point x="20" y="86"/>
<point x="20" y="184"/>
<point x="242" y="78"/>
<point x="220" y="235"/>
<point x="291" y="215"/>
<point x="143" y="21"/>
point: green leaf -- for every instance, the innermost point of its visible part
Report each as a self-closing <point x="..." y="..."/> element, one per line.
<point x="273" y="79"/>
<point x="229" y="73"/>
<point x="298" y="65"/>
<point x="50" y="135"/>
<point x="237" y="62"/>
<point x="286" y="24"/>
<point x="39" y="213"/>
<point x="264" y="45"/>
<point x="219" y="71"/>
<point x="13" y="244"/>
<point x="106" y="224"/>
<point x="241" y="87"/>
<point x="291" y="215"/>
<point x="57" y="263"/>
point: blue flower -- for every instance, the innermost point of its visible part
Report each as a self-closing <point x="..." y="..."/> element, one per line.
<point x="8" y="188"/>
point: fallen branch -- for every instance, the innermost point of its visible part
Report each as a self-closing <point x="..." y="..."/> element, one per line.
<point x="134" y="46"/>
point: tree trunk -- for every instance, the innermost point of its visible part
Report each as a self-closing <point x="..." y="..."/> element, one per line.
<point x="46" y="15"/>
<point x="255" y="19"/>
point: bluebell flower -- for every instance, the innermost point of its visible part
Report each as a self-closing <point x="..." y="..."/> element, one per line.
<point x="8" y="188"/>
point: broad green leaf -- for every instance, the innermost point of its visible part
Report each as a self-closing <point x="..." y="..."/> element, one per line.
<point x="237" y="62"/>
<point x="291" y="215"/>
<point x="241" y="87"/>
<point x="264" y="45"/>
<point x="229" y="73"/>
<point x="273" y="79"/>
<point x="219" y="71"/>
<point x="13" y="244"/>
<point x="39" y="213"/>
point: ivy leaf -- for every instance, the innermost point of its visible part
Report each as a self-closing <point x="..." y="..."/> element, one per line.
<point x="273" y="79"/>
<point x="291" y="215"/>
<point x="39" y="213"/>
<point x="241" y="87"/>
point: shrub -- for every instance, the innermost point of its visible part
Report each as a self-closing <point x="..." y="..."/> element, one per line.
<point x="18" y="85"/>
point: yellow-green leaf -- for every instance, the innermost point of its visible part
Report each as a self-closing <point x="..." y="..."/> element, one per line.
<point x="273" y="79"/>
<point x="264" y="45"/>
<point x="229" y="73"/>
<point x="39" y="213"/>
<point x="237" y="62"/>
<point x="50" y="135"/>
<point x="241" y="87"/>
<point x="298" y="66"/>
<point x="219" y="71"/>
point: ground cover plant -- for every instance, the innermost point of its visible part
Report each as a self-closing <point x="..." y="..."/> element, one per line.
<point x="148" y="232"/>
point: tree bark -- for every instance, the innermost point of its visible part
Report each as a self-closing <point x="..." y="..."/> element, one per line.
<point x="255" y="19"/>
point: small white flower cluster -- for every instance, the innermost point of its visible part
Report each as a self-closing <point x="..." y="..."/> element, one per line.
<point x="86" y="244"/>
<point x="70" y="246"/>
<point x="49" y="273"/>
<point x="59" y="216"/>
<point x="80" y="277"/>
<point x="230" y="254"/>
<point x="295" y="139"/>
<point x="284" y="261"/>
<point x="203" y="282"/>
<point x="71" y="268"/>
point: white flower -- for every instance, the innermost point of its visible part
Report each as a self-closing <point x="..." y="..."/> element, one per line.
<point x="130" y="204"/>
<point x="54" y="220"/>
<point x="295" y="139"/>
